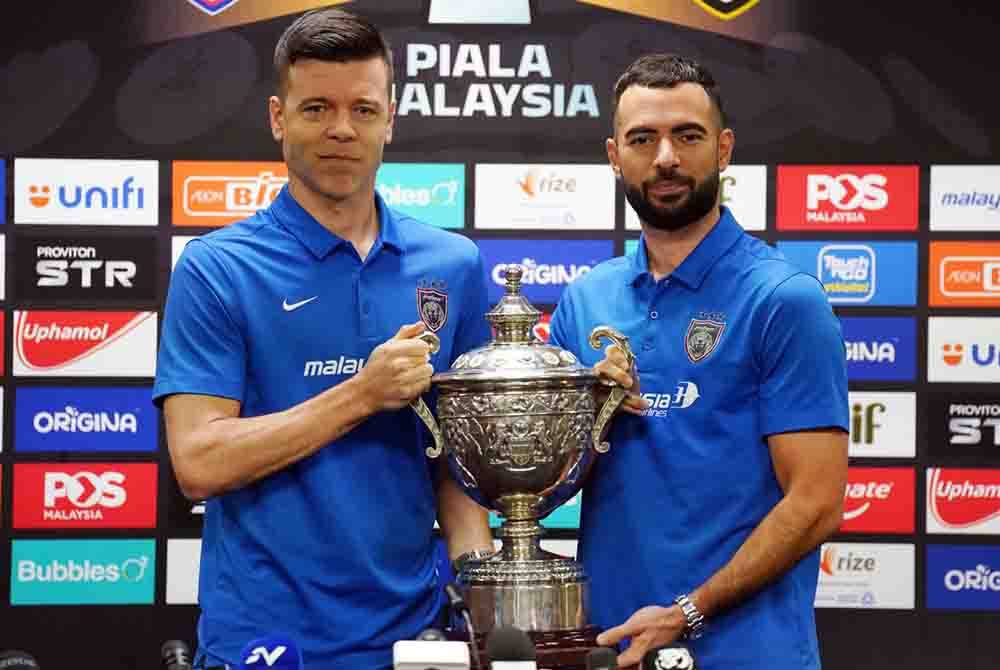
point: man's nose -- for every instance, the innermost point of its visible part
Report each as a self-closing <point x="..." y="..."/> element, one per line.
<point x="340" y="127"/>
<point x="666" y="157"/>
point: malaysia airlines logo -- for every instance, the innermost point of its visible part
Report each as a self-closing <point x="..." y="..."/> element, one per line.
<point x="963" y="501"/>
<point x="70" y="343"/>
<point x="683" y="397"/>
<point x="877" y="197"/>
<point x="85" y="495"/>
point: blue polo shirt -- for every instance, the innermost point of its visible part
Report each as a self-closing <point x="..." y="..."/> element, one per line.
<point x="735" y="345"/>
<point x="337" y="550"/>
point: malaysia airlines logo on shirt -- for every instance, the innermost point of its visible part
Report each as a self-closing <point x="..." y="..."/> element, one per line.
<point x="963" y="501"/>
<point x="85" y="495"/>
<point x="847" y="197"/>
<point x="89" y="344"/>
<point x="879" y="500"/>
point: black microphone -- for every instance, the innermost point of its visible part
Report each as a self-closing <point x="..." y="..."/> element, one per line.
<point x="602" y="658"/>
<point x="460" y="608"/>
<point x="510" y="648"/>
<point x="668" y="657"/>
<point x="455" y="599"/>
<point x="17" y="660"/>
<point x="175" y="655"/>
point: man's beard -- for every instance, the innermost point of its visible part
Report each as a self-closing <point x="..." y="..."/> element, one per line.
<point x="700" y="201"/>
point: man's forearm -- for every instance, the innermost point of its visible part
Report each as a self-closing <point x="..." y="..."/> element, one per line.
<point x="228" y="453"/>
<point x="464" y="523"/>
<point x="794" y="527"/>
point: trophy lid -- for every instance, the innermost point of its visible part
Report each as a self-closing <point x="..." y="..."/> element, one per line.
<point x="515" y="353"/>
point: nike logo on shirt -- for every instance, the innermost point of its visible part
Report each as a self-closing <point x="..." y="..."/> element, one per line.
<point x="291" y="307"/>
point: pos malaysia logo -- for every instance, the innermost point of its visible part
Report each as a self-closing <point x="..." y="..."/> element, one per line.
<point x="87" y="344"/>
<point x="963" y="501"/>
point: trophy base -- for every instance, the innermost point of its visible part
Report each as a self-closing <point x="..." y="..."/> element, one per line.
<point x="557" y="650"/>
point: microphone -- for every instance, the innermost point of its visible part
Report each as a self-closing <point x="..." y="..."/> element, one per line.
<point x="668" y="657"/>
<point x="430" y="651"/>
<point x="510" y="648"/>
<point x="460" y="608"/>
<point x="602" y="658"/>
<point x="175" y="655"/>
<point x="17" y="660"/>
<point x="431" y="635"/>
<point x="274" y="652"/>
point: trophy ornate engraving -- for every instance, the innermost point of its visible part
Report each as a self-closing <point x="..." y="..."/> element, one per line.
<point x="517" y="422"/>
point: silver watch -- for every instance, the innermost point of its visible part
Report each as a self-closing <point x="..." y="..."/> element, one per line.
<point x="695" y="627"/>
<point x="474" y="555"/>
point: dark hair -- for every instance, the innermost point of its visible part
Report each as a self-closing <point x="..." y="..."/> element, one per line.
<point x="666" y="71"/>
<point x="329" y="35"/>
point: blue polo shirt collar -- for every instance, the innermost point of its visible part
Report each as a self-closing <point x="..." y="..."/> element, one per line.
<point x="693" y="269"/>
<point x="320" y="241"/>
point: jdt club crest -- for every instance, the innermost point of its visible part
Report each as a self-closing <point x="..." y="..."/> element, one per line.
<point x="432" y="306"/>
<point x="702" y="337"/>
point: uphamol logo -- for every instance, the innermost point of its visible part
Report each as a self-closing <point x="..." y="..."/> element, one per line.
<point x="85" y="419"/>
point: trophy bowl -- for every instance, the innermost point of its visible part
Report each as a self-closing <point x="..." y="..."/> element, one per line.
<point x="518" y="423"/>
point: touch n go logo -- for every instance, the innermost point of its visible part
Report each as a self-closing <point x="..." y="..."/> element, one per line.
<point x="82" y="572"/>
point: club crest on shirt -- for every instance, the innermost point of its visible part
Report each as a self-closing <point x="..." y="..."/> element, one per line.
<point x="702" y="337"/>
<point x="432" y="305"/>
<point x="674" y="658"/>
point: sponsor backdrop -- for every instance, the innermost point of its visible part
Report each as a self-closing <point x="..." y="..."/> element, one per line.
<point x="865" y="157"/>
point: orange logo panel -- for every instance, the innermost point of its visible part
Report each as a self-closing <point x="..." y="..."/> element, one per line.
<point x="217" y="193"/>
<point x="964" y="274"/>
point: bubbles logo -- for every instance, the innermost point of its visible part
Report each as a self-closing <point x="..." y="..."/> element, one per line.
<point x="134" y="569"/>
<point x="847" y="272"/>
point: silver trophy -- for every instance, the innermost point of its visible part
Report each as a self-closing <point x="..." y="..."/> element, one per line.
<point x="517" y="422"/>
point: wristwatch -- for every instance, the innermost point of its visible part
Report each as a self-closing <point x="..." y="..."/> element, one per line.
<point x="695" y="626"/>
<point x="474" y="555"/>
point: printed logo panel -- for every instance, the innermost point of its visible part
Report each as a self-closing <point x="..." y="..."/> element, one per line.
<point x="963" y="577"/>
<point x="866" y="576"/>
<point x="545" y="197"/>
<point x="85" y="344"/>
<point x="84" y="495"/>
<point x="963" y="501"/>
<point x="217" y="193"/>
<point x="430" y="192"/>
<point x="883" y="424"/>
<point x="964" y="274"/>
<point x="86" y="268"/>
<point x="3" y="191"/>
<point x="963" y="349"/>
<point x="879" y="500"/>
<point x="549" y="265"/>
<point x="83" y="572"/>
<point x="183" y="569"/>
<point x="744" y="192"/>
<point x="85" y="419"/>
<point x="86" y="192"/>
<point x="859" y="273"/>
<point x="964" y="427"/>
<point x="3" y="259"/>
<point x="848" y="197"/>
<point x="965" y="197"/>
<point x="880" y="348"/>
<point x="488" y="12"/>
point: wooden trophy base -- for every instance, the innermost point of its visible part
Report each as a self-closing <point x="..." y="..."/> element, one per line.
<point x="557" y="650"/>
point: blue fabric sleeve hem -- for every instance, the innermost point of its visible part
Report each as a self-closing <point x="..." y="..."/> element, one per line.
<point x="203" y="386"/>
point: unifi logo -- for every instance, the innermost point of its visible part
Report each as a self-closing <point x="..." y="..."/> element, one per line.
<point x="659" y="403"/>
<point x="982" y="355"/>
<point x="213" y="7"/>
<point x="72" y="420"/>
<point x="541" y="273"/>
<point x="864" y="422"/>
<point x="981" y="578"/>
<point x="126" y="195"/>
<point x="840" y="197"/>
<point x="535" y="182"/>
<point x="333" y="366"/>
<point x="952" y="354"/>
<point x="870" y="352"/>
<point x="72" y="571"/>
<point x="442" y="194"/>
<point x="836" y="563"/>
<point x="57" y="263"/>
<point x="859" y="496"/>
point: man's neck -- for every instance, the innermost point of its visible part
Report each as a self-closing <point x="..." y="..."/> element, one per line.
<point x="667" y="249"/>
<point x="354" y="219"/>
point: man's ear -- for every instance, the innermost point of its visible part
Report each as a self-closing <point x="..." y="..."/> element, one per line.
<point x="274" y="110"/>
<point x="727" y="140"/>
<point x="392" y="121"/>
<point x="613" y="158"/>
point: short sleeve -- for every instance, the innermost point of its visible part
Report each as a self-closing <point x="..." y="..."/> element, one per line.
<point x="473" y="328"/>
<point x="202" y="349"/>
<point x="562" y="326"/>
<point x="802" y="360"/>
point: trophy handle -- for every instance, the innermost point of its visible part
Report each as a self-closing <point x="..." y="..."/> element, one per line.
<point x="617" y="392"/>
<point x="421" y="408"/>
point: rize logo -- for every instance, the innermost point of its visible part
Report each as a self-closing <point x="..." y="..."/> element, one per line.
<point x="963" y="501"/>
<point x="837" y="563"/>
<point x="535" y="182"/>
